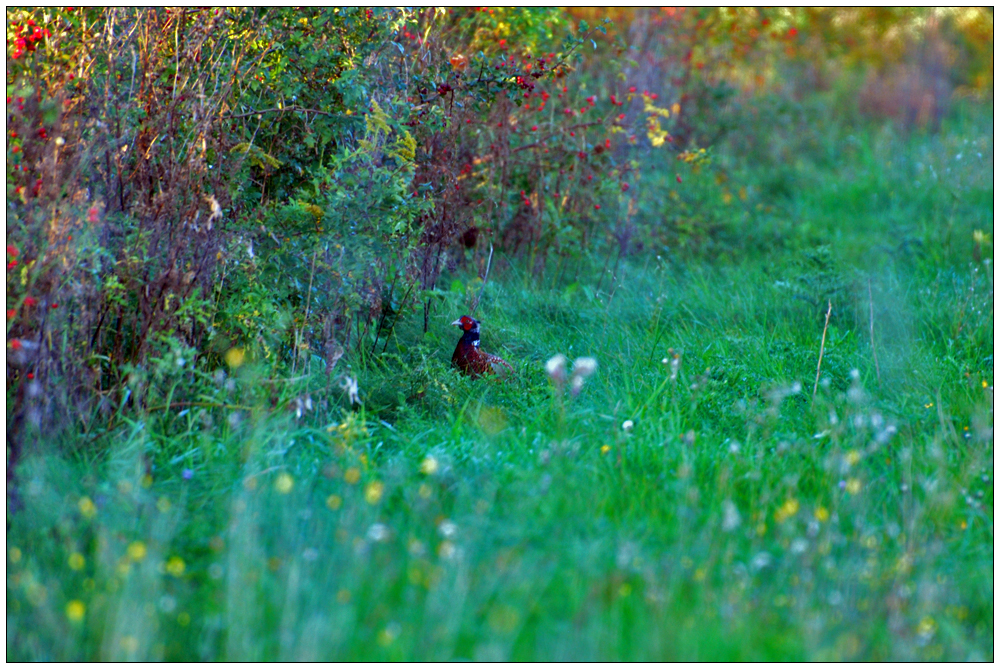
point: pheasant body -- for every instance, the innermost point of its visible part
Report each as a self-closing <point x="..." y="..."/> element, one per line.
<point x="469" y="357"/>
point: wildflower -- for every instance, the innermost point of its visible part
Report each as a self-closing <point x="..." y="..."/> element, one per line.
<point x="447" y="550"/>
<point x="378" y="532"/>
<point x="628" y="425"/>
<point x="389" y="634"/>
<point x="447" y="529"/>
<point x="283" y="484"/>
<point x="87" y="508"/>
<point x="76" y="562"/>
<point x="605" y="449"/>
<point x="373" y="492"/>
<point x="927" y="627"/>
<point x="333" y="502"/>
<point x="761" y="560"/>
<point x="350" y="386"/>
<point x="234" y="357"/>
<point x="75" y="610"/>
<point x="429" y="466"/>
<point x="730" y="516"/>
<point x="853" y="486"/>
<point x="187" y="474"/>
<point x="175" y="566"/>
<point x="137" y="551"/>
<point x="584" y="366"/>
<point x="352" y="475"/>
<point x="556" y="369"/>
<point x="787" y="510"/>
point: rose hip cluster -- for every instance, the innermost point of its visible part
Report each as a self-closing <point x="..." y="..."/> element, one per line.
<point x="27" y="37"/>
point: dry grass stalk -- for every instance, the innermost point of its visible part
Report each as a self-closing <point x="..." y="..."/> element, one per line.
<point x="822" y="344"/>
<point x="871" y="330"/>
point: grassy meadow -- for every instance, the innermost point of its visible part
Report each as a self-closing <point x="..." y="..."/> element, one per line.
<point x="696" y="500"/>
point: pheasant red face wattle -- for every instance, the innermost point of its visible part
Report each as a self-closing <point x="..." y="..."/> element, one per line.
<point x="471" y="359"/>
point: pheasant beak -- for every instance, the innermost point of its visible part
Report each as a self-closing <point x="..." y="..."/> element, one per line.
<point x="457" y="323"/>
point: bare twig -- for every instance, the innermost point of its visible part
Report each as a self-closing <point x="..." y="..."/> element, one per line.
<point x="402" y="305"/>
<point x="290" y="108"/>
<point x="822" y="343"/>
<point x="302" y="330"/>
<point x="542" y="141"/>
<point x="871" y="330"/>
<point x="486" y="277"/>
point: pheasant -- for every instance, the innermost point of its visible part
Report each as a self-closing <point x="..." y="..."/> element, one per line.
<point x="471" y="359"/>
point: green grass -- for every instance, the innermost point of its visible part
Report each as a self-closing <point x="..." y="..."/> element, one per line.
<point x="737" y="518"/>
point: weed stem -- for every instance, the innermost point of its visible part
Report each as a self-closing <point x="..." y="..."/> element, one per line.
<point x="871" y="331"/>
<point x="822" y="344"/>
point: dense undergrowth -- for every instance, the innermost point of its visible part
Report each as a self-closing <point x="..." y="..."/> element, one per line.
<point x="287" y="467"/>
